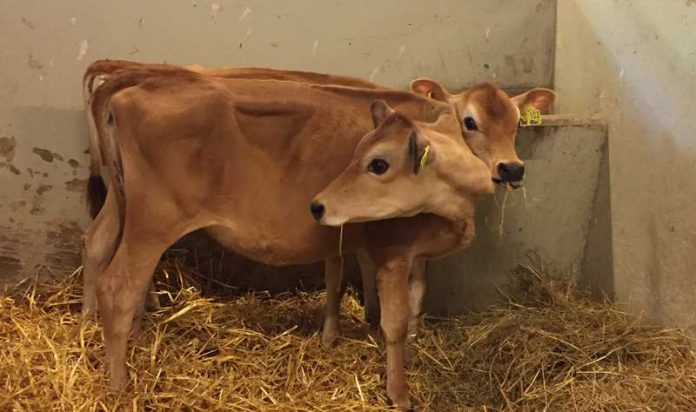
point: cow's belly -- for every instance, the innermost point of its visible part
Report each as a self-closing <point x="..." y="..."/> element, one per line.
<point x="284" y="245"/>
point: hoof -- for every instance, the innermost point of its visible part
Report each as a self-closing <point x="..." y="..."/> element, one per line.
<point x="399" y="396"/>
<point x="330" y="334"/>
<point x="403" y="404"/>
<point x="328" y="341"/>
<point x="118" y="381"/>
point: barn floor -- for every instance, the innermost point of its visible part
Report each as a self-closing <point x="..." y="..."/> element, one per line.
<point x="548" y="347"/>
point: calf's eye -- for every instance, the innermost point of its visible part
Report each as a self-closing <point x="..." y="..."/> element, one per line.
<point x="470" y="123"/>
<point x="378" y="166"/>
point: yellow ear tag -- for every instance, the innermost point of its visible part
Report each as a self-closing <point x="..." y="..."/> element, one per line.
<point x="530" y="116"/>
<point x="430" y="94"/>
<point x="424" y="158"/>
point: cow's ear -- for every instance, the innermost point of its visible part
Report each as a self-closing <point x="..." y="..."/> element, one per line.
<point x="431" y="89"/>
<point x="420" y="151"/>
<point x="539" y="98"/>
<point x="380" y="110"/>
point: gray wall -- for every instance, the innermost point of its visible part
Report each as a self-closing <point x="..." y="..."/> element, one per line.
<point x="551" y="219"/>
<point x="635" y="63"/>
<point x="45" y="46"/>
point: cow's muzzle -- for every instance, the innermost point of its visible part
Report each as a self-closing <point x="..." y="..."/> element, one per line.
<point x="510" y="173"/>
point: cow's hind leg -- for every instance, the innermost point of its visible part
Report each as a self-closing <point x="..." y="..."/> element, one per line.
<point x="334" y="292"/>
<point x="121" y="292"/>
<point x="154" y="303"/>
<point x="99" y="243"/>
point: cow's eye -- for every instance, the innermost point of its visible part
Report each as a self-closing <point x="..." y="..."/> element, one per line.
<point x="378" y="166"/>
<point x="470" y="123"/>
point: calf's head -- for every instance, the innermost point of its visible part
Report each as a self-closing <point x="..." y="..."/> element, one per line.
<point x="403" y="168"/>
<point x="489" y="119"/>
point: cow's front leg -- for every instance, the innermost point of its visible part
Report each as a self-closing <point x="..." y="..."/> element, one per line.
<point x="392" y="281"/>
<point x="333" y="279"/>
<point x="369" y="283"/>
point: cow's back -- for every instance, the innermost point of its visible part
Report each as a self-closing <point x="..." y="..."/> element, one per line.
<point x="288" y="75"/>
<point x="246" y="154"/>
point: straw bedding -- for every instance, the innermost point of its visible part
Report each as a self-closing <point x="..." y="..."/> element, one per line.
<point x="546" y="348"/>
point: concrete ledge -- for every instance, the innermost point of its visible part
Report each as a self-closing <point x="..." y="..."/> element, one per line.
<point x="570" y="120"/>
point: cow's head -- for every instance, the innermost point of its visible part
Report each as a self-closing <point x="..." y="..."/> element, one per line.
<point x="489" y="120"/>
<point x="403" y="168"/>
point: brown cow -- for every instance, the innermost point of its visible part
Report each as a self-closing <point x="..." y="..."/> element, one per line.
<point x="243" y="159"/>
<point x="104" y="68"/>
<point x="489" y="124"/>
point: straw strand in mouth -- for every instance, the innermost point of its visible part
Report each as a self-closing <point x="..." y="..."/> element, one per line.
<point x="341" y="258"/>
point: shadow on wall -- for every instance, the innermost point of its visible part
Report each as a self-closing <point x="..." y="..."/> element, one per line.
<point x="635" y="61"/>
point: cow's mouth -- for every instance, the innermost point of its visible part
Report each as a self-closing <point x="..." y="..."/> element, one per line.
<point x="514" y="185"/>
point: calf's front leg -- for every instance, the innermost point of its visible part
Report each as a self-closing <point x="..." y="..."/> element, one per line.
<point x="416" y="291"/>
<point x="392" y="282"/>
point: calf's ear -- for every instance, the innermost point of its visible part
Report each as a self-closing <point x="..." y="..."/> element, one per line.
<point x="420" y="152"/>
<point x="380" y="110"/>
<point x="431" y="89"/>
<point x="539" y="98"/>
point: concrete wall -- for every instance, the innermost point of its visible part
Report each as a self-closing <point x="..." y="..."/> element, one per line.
<point x="551" y="219"/>
<point x="635" y="63"/>
<point x="45" y="45"/>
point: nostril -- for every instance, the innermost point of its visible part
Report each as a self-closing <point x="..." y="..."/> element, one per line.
<point x="520" y="171"/>
<point x="503" y="172"/>
<point x="511" y="172"/>
<point x="317" y="210"/>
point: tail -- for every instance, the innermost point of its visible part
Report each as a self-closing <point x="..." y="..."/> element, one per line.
<point x="96" y="195"/>
<point x="125" y="74"/>
<point x="104" y="150"/>
<point x="96" y="189"/>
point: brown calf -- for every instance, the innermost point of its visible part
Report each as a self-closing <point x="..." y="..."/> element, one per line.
<point x="489" y="120"/>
